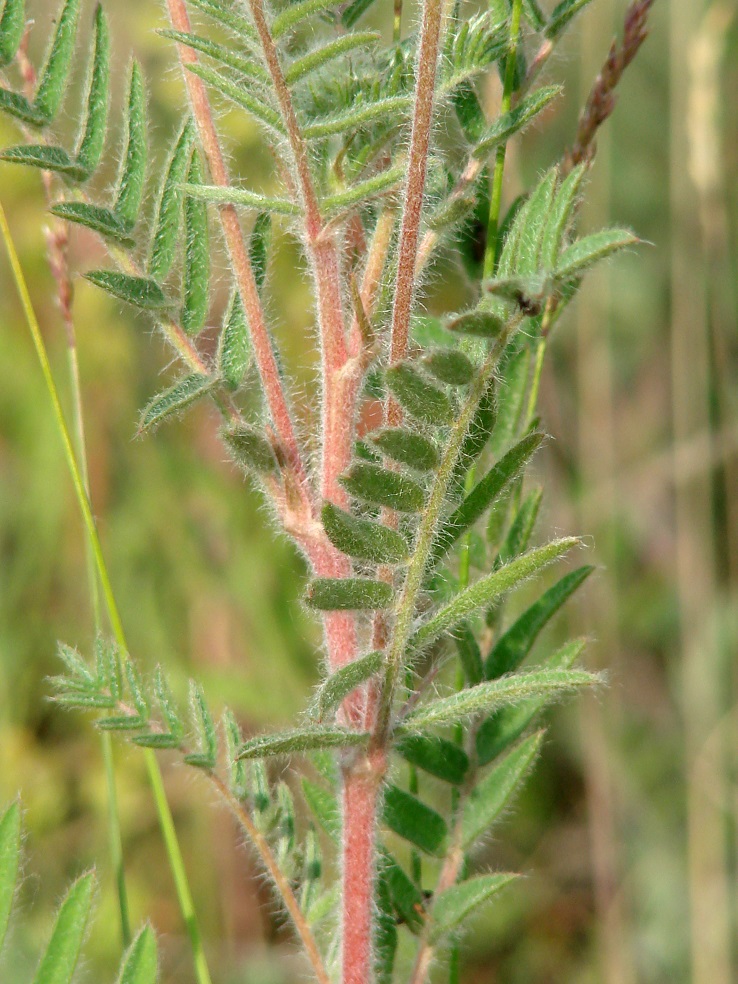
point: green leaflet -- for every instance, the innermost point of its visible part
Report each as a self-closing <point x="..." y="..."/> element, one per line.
<point x="420" y="397"/>
<point x="536" y="212"/>
<point x="298" y="12"/>
<point x="476" y="437"/>
<point x="236" y="92"/>
<point x="299" y="741"/>
<point x="485" y="492"/>
<point x="136" y="689"/>
<point x="449" y="366"/>
<point x="407" y="447"/>
<point x="323" y="806"/>
<point x="204" y="728"/>
<point x="511" y="400"/>
<point x="140" y="963"/>
<point x="216" y="195"/>
<point x="562" y="14"/>
<point x="169" y="205"/>
<point x="18" y="106"/>
<point x="363" y="538"/>
<point x="487" y="589"/>
<point x="437" y="756"/>
<point x="220" y="53"/>
<point x="53" y="76"/>
<point x="92" y="135"/>
<point x="249" y="448"/>
<point x="348" y="594"/>
<point x="454" y="905"/>
<point x="167" y="705"/>
<point x="504" y="726"/>
<point x="488" y="696"/>
<point x="100" y="220"/>
<point x="521" y="529"/>
<point x="469" y="653"/>
<point x="234" y="347"/>
<point x="227" y="17"/>
<point x="414" y="821"/>
<point x="493" y="793"/>
<point x="535" y="15"/>
<point x="60" y="959"/>
<point x="516" y="119"/>
<point x="403" y="894"/>
<point x="355" y="10"/>
<point x="175" y="399"/>
<point x="385" y="934"/>
<point x="389" y="109"/>
<point x="560" y="215"/>
<point x="585" y="252"/>
<point x="471" y="49"/>
<point x="45" y="156"/>
<point x="12" y="24"/>
<point x="259" y="248"/>
<point x="316" y="59"/>
<point x="512" y="648"/>
<point x="10" y="847"/>
<point x="138" y="291"/>
<point x="196" y="274"/>
<point x="364" y="191"/>
<point x="133" y="170"/>
<point x="344" y="681"/>
<point x="238" y="777"/>
<point x="485" y="324"/>
<point x="382" y="487"/>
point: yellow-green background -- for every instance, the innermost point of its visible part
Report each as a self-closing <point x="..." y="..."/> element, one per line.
<point x="628" y="831"/>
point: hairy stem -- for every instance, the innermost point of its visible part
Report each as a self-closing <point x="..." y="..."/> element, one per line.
<point x="174" y="853"/>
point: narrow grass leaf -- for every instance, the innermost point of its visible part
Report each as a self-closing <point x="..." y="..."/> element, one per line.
<point x="10" y="851"/>
<point x="504" y="726"/>
<point x="324" y="807"/>
<point x="53" y="76"/>
<point x="516" y="119"/>
<point x="437" y="756"/>
<point x="196" y="274"/>
<point x="237" y="93"/>
<point x="140" y="963"/>
<point x="414" y="821"/>
<point x="494" y="792"/>
<point x="382" y="487"/>
<point x="514" y="646"/>
<point x="562" y="14"/>
<point x="299" y="741"/>
<point x="344" y="681"/>
<point x="449" y="366"/>
<point x="363" y="538"/>
<point x="585" y="252"/>
<point x="60" y="959"/>
<point x="407" y="447"/>
<point x="96" y="218"/>
<point x="92" y="136"/>
<point x="327" y="52"/>
<point x="250" y="448"/>
<point x="234" y="346"/>
<point x="169" y="205"/>
<point x="133" y="169"/>
<point x="330" y="594"/>
<point x="216" y="195"/>
<point x="418" y="395"/>
<point x="141" y="292"/>
<point x="12" y="25"/>
<point x="459" y="902"/>
<point x="175" y="399"/>
<point x="486" y="492"/>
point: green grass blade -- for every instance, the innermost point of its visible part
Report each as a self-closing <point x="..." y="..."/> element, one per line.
<point x="60" y="959"/>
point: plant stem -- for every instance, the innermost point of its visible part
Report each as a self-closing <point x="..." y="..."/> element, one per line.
<point x="174" y="853"/>
<point x="493" y="225"/>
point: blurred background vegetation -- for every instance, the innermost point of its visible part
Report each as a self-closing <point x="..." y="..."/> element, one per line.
<point x="628" y="831"/>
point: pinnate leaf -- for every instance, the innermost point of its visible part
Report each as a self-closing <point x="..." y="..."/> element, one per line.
<point x="363" y="538"/>
<point x="174" y="400"/>
<point x="60" y="959"/>
<point x="10" y="850"/>
<point x="348" y="594"/>
<point x="454" y="905"/>
<point x="344" y="681"/>
<point x="299" y="741"/>
<point x="414" y="821"/>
